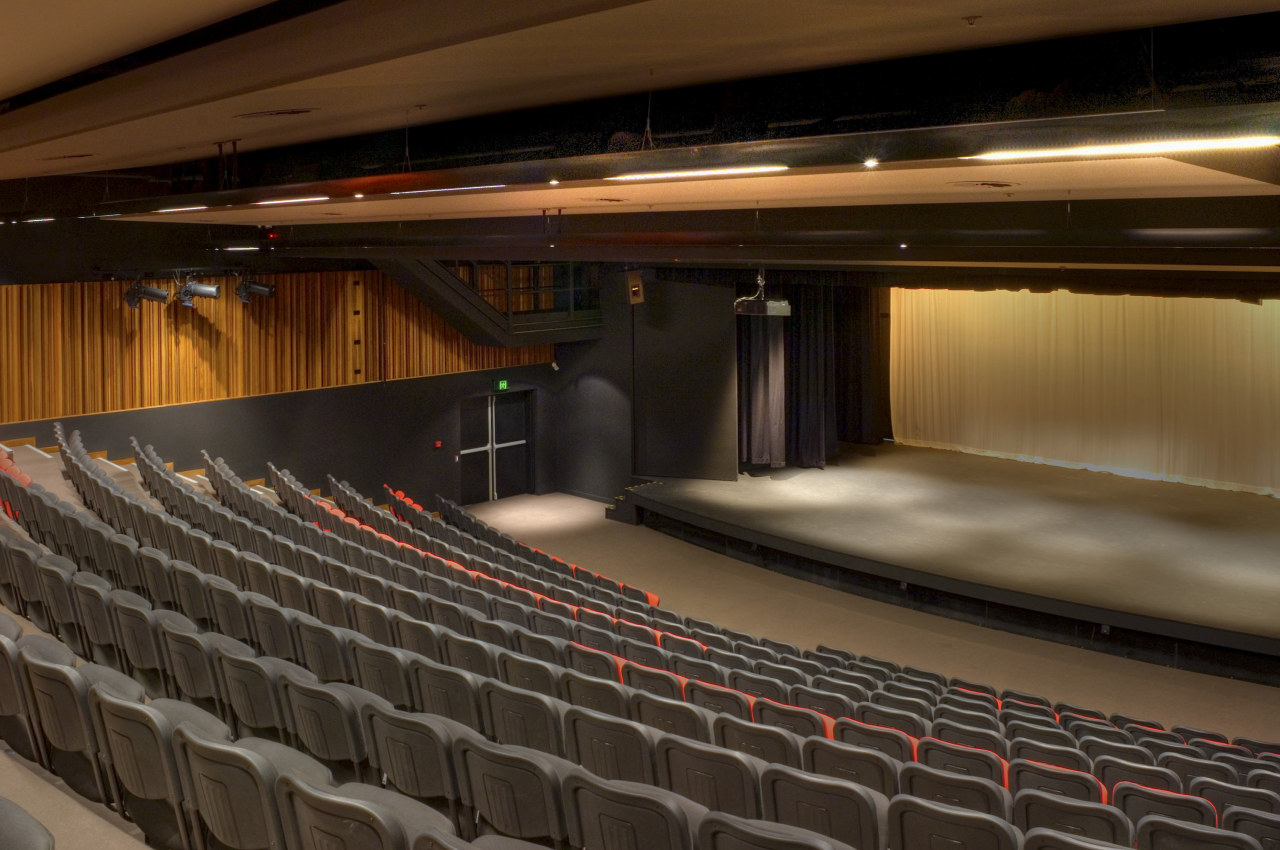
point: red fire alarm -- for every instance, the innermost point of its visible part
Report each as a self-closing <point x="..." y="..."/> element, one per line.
<point x="437" y="444"/>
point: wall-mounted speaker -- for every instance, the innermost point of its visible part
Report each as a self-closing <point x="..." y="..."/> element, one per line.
<point x="635" y="287"/>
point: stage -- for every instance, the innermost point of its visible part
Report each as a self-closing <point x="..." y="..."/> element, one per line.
<point x="1146" y="566"/>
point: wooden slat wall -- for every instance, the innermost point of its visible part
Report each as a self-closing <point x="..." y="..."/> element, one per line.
<point x="77" y="348"/>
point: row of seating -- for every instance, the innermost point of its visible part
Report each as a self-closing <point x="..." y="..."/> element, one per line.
<point x="304" y="704"/>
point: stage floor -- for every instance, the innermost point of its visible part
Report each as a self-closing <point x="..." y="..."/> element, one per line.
<point x="1071" y="542"/>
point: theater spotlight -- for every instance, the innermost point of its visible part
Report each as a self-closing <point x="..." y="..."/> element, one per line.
<point x="249" y="288"/>
<point x="193" y="289"/>
<point x="136" y="294"/>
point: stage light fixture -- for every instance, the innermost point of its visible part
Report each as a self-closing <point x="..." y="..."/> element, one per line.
<point x="758" y="305"/>
<point x="736" y="171"/>
<point x="248" y="289"/>
<point x="193" y="289"/>
<point x="140" y="292"/>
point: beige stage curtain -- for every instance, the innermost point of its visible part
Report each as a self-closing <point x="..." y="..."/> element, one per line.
<point x="1182" y="389"/>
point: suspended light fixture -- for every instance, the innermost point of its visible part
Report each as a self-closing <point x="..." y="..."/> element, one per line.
<point x="139" y="292"/>
<point x="249" y="289"/>
<point x="758" y="305"/>
<point x="193" y="289"/>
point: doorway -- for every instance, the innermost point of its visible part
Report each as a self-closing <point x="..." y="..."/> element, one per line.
<point x="495" y="457"/>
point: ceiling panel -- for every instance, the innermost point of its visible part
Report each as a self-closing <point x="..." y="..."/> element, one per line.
<point x="369" y="65"/>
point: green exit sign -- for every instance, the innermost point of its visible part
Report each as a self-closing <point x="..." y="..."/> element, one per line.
<point x="500" y="385"/>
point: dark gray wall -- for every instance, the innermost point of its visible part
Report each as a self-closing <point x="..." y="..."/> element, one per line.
<point x="592" y="408"/>
<point x="686" y="385"/>
<point x="369" y="434"/>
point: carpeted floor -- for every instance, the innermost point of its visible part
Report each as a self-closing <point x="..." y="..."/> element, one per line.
<point x="695" y="581"/>
<point x="1158" y="549"/>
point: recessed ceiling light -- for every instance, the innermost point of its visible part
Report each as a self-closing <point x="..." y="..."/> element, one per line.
<point x="358" y="195"/>
<point x="241" y="248"/>
<point x="36" y="220"/>
<point x="553" y="182"/>
<point x="1137" y="148"/>
<point x="181" y="209"/>
<point x="701" y="172"/>
<point x="871" y="163"/>
<point x="310" y="200"/>
<point x="278" y="113"/>
<point x="902" y="244"/>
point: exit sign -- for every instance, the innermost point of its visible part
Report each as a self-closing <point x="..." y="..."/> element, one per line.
<point x="500" y="385"/>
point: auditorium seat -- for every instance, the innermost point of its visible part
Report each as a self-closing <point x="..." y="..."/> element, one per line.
<point x="512" y="790"/>
<point x="16" y="714"/>
<point x="829" y="703"/>
<point x="67" y="739"/>
<point x="1263" y="826"/>
<point x="894" y="743"/>
<point x="447" y="691"/>
<point x="954" y="732"/>
<point x="610" y="747"/>
<point x="1189" y="768"/>
<point x="54" y="574"/>
<point x="915" y="823"/>
<point x="605" y="815"/>
<point x="870" y="768"/>
<point x="193" y="661"/>
<point x="835" y="808"/>
<point x="140" y="761"/>
<point x="1095" y="748"/>
<point x="1161" y="833"/>
<point x="1113" y="770"/>
<point x="356" y="816"/>
<point x="1068" y="757"/>
<point x="720" y="779"/>
<point x="676" y="718"/>
<point x="969" y="792"/>
<point x="1034" y="809"/>
<point x="1224" y="794"/>
<point x="893" y="718"/>
<point x="1043" y="734"/>
<point x="20" y="831"/>
<point x="1063" y="781"/>
<point x="1051" y="839"/>
<point x="253" y="687"/>
<point x="1138" y="801"/>
<point x="770" y="744"/>
<point x="522" y="718"/>
<point x="720" y="831"/>
<point x="957" y="758"/>
<point x="603" y="695"/>
<point x="719" y="699"/>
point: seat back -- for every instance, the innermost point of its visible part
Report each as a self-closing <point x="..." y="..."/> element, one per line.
<point x="720" y="831"/>
<point x="1138" y="801"/>
<point x="767" y="743"/>
<point x="522" y="718"/>
<point x="1033" y="809"/>
<point x="603" y="815"/>
<point x="513" y="789"/>
<point x="841" y="810"/>
<point x="20" y="831"/>
<point x="1162" y="833"/>
<point x="720" y="779"/>
<point x="953" y="789"/>
<point x="610" y="747"/>
<point x="869" y="768"/>
<point x="915" y="823"/>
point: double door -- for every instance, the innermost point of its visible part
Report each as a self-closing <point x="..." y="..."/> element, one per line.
<point x="496" y="451"/>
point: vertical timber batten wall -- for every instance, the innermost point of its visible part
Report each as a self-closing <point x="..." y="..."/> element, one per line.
<point x="76" y="348"/>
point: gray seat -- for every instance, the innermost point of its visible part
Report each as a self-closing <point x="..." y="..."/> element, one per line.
<point x="1076" y="784"/>
<point x="767" y="743"/>
<point x="512" y="790"/>
<point x="1161" y="833"/>
<point x="604" y="815"/>
<point x="522" y="718"/>
<point x="837" y="809"/>
<point x="1041" y="838"/>
<point x="915" y="823"/>
<point x="1263" y="826"/>
<point x="720" y="779"/>
<point x="869" y="768"/>
<point x="720" y="831"/>
<point x="957" y="758"/>
<point x="324" y="718"/>
<point x="357" y="817"/>
<point x="1033" y="809"/>
<point x="1224" y="794"/>
<point x="953" y="789"/>
<point x="138" y="740"/>
<point x="894" y="743"/>
<point x="1138" y="801"/>
<point x="610" y="747"/>
<point x="415" y="753"/>
<point x="20" y="831"/>
<point x="446" y="691"/>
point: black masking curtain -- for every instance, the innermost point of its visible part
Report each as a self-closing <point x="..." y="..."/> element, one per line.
<point x="761" y="391"/>
<point x="786" y="380"/>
